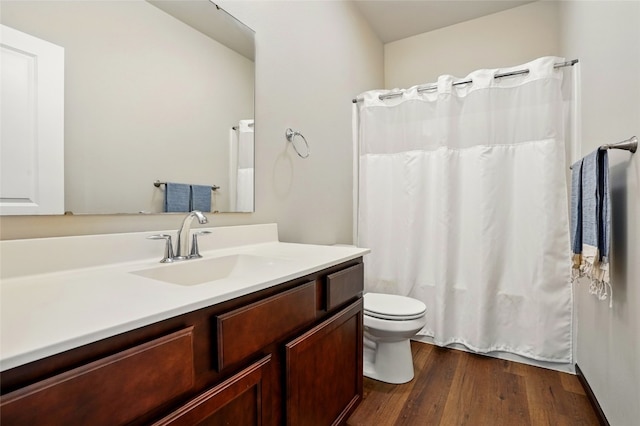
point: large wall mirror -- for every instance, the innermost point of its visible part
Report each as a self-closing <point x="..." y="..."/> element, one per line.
<point x="154" y="91"/>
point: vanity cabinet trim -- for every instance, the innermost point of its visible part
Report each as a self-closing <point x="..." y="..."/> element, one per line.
<point x="153" y="373"/>
<point x="213" y="400"/>
<point x="246" y="330"/>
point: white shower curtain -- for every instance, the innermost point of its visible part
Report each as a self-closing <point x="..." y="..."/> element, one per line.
<point x="463" y="201"/>
<point x="241" y="168"/>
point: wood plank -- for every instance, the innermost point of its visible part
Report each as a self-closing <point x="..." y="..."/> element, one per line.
<point x="427" y="400"/>
<point x="453" y="387"/>
<point x="508" y="395"/>
<point x="483" y="389"/>
<point x="571" y="383"/>
<point x="384" y="402"/>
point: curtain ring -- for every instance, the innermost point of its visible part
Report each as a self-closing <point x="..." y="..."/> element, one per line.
<point x="291" y="135"/>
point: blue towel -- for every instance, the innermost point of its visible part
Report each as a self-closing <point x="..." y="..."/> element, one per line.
<point x="177" y="197"/>
<point x="201" y="198"/>
<point x="591" y="221"/>
<point x="596" y="212"/>
<point x="576" y="208"/>
<point x="590" y="200"/>
<point x="604" y="244"/>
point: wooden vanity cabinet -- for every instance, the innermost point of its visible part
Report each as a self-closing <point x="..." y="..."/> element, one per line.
<point x="289" y="354"/>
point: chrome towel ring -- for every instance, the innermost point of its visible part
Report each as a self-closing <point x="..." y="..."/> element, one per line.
<point x="291" y="136"/>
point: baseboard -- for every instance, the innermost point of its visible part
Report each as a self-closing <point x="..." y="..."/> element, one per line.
<point x="592" y="397"/>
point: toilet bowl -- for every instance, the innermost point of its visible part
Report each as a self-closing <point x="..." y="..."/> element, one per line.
<point x="389" y="322"/>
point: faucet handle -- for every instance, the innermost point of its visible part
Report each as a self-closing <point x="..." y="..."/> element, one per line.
<point x="195" y="252"/>
<point x="168" y="248"/>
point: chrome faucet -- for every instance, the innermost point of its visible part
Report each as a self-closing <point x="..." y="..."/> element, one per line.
<point x="182" y="245"/>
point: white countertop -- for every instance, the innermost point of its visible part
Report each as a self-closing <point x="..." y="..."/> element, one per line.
<point x="48" y="313"/>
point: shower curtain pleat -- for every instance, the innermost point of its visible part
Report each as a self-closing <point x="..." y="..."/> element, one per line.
<point x="462" y="199"/>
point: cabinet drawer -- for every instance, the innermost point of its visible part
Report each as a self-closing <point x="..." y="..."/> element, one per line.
<point x="246" y="330"/>
<point x="110" y="391"/>
<point x="237" y="401"/>
<point x="344" y="285"/>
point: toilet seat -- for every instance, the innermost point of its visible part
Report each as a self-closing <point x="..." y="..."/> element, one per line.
<point x="393" y="307"/>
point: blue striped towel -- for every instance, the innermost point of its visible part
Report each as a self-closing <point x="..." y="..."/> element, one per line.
<point x="591" y="221"/>
<point x="177" y="197"/>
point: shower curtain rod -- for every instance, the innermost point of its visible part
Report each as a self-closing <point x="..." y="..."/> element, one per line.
<point x="457" y="83"/>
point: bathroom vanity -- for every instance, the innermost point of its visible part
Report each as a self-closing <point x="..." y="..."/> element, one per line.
<point x="285" y="348"/>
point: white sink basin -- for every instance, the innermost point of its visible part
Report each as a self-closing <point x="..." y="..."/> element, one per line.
<point x="201" y="271"/>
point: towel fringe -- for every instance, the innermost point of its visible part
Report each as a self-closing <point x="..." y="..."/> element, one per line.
<point x="598" y="275"/>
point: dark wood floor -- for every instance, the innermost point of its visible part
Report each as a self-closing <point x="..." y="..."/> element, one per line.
<point x="453" y="387"/>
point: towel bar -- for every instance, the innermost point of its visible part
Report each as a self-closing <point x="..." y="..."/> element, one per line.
<point x="158" y="183"/>
<point x="630" y="145"/>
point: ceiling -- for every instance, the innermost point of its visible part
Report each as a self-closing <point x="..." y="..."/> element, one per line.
<point x="397" y="19"/>
<point x="212" y="21"/>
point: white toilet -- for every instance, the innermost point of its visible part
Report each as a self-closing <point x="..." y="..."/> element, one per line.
<point x="389" y="322"/>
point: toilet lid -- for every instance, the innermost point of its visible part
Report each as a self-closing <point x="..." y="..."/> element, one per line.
<point x="393" y="307"/>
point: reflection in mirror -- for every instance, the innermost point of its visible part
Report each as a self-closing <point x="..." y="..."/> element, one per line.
<point x="149" y="98"/>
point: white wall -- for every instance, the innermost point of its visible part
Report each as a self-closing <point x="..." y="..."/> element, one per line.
<point x="312" y="59"/>
<point x="605" y="36"/>
<point x="319" y="55"/>
<point x="507" y="38"/>
<point x="143" y="93"/>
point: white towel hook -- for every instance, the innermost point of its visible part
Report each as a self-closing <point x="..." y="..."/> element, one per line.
<point x="291" y="136"/>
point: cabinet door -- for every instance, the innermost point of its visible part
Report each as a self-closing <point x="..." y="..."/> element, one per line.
<point x="237" y="401"/>
<point x="324" y="370"/>
<point x="110" y="391"/>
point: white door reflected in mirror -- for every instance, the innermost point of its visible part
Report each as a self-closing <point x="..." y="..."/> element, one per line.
<point x="32" y="140"/>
